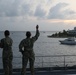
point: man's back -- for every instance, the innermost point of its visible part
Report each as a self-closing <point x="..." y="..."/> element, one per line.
<point x="26" y="48"/>
<point x="28" y="43"/>
<point x="7" y="55"/>
<point x="6" y="43"/>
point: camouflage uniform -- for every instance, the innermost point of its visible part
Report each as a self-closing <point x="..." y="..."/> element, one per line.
<point x="28" y="53"/>
<point x="7" y="55"/>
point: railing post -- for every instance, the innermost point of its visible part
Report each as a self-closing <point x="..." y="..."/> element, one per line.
<point x="42" y="62"/>
<point x="64" y="61"/>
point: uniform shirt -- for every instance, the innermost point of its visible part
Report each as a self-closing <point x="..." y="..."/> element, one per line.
<point x="6" y="44"/>
<point x="28" y="43"/>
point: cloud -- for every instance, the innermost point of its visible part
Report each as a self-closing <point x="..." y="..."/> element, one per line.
<point x="8" y="8"/>
<point x="36" y="8"/>
<point x="25" y="9"/>
<point x="58" y="12"/>
<point x="13" y="8"/>
<point x="39" y="12"/>
<point x="69" y="14"/>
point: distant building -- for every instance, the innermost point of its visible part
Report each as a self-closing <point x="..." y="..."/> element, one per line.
<point x="72" y="32"/>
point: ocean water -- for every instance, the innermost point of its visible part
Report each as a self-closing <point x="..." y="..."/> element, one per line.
<point x="44" y="46"/>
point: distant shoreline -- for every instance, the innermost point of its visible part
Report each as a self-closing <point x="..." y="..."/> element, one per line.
<point x="57" y="37"/>
<point x="63" y="34"/>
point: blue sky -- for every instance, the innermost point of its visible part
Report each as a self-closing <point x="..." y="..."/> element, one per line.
<point x="50" y="15"/>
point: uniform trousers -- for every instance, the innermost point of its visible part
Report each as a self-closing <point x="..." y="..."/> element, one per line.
<point x="28" y="56"/>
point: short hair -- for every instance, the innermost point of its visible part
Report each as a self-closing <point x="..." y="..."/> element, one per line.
<point x="28" y="33"/>
<point x="6" y="33"/>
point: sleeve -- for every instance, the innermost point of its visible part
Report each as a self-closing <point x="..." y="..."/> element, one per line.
<point x="11" y="42"/>
<point x="1" y="43"/>
<point x="21" y="45"/>
<point x="36" y="36"/>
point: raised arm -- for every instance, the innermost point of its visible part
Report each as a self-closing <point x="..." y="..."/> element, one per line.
<point x="37" y="34"/>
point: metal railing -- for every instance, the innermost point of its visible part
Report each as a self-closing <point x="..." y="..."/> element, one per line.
<point x="48" y="61"/>
<point x="57" y="60"/>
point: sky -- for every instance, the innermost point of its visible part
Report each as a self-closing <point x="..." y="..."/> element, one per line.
<point x="50" y="15"/>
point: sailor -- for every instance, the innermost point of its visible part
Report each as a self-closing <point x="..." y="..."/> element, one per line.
<point x="7" y="55"/>
<point x="26" y="48"/>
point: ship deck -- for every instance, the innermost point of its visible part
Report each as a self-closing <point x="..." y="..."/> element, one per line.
<point x="44" y="71"/>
